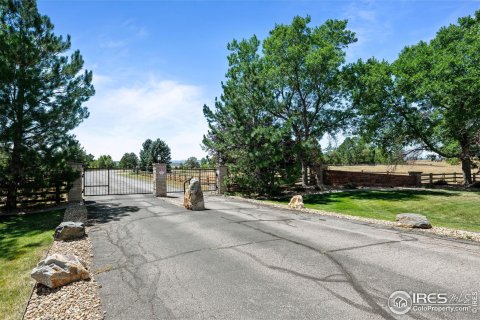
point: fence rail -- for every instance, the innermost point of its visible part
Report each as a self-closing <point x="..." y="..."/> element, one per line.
<point x="450" y="178"/>
<point x="53" y="192"/>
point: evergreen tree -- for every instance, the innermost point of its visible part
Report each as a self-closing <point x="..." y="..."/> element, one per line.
<point x="242" y="134"/>
<point x="155" y="152"/>
<point x="42" y="93"/>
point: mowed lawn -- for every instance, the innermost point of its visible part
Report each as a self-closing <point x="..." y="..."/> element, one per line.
<point x="24" y="240"/>
<point x="452" y="209"/>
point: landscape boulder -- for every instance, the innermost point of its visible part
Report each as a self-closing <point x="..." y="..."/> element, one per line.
<point x="58" y="270"/>
<point x="193" y="199"/>
<point x="413" y="220"/>
<point x="296" y="202"/>
<point x="69" y="230"/>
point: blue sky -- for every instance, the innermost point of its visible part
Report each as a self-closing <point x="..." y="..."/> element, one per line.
<point x="156" y="63"/>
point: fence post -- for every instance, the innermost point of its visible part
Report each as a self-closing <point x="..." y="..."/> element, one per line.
<point x="222" y="172"/>
<point x="75" y="192"/>
<point x="159" y="179"/>
<point x="431" y="178"/>
<point x="57" y="190"/>
<point x="417" y="177"/>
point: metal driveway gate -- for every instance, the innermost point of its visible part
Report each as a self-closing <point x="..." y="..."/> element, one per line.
<point x="117" y="181"/>
<point x="178" y="179"/>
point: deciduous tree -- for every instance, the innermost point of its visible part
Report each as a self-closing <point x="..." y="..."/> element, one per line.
<point x="303" y="72"/>
<point x="191" y="163"/>
<point x="429" y="97"/>
<point x="129" y="160"/>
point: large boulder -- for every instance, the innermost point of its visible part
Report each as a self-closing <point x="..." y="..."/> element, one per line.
<point x="193" y="199"/>
<point x="413" y="220"/>
<point x="296" y="202"/>
<point x="69" y="230"/>
<point x="58" y="270"/>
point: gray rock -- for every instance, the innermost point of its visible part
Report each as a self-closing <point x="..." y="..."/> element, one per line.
<point x="193" y="199"/>
<point x="413" y="220"/>
<point x="69" y="230"/>
<point x="58" y="270"/>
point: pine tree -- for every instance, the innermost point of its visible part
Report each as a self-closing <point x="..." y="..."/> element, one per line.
<point x="42" y="93"/>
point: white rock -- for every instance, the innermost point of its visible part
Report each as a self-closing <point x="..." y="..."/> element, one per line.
<point x="413" y="220"/>
<point x="296" y="202"/>
<point x="193" y="199"/>
<point x="58" y="270"/>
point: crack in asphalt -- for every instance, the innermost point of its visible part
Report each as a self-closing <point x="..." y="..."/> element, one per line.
<point x="350" y="278"/>
<point x="180" y="254"/>
<point x="125" y="240"/>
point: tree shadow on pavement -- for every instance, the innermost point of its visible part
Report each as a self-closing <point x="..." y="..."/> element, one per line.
<point x="106" y="212"/>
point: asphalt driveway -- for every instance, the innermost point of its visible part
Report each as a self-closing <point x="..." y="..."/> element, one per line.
<point x="238" y="260"/>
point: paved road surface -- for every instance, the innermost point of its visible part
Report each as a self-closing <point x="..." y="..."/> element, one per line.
<point x="238" y="260"/>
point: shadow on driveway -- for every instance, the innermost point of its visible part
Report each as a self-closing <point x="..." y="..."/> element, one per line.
<point x="104" y="212"/>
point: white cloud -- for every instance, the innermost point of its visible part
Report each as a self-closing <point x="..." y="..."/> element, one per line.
<point x="122" y="117"/>
<point x="113" y="44"/>
<point x="368" y="15"/>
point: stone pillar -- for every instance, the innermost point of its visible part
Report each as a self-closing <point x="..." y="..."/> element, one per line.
<point x="75" y="193"/>
<point x="159" y="179"/>
<point x="222" y="172"/>
<point x="417" y="176"/>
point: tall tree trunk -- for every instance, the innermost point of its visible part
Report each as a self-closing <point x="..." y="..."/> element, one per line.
<point x="13" y="179"/>
<point x="319" y="177"/>
<point x="304" y="173"/>
<point x="467" y="170"/>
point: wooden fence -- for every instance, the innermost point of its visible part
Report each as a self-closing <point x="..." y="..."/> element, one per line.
<point x="54" y="191"/>
<point x="450" y="178"/>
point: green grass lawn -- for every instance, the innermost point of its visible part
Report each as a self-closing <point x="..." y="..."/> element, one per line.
<point x="23" y="242"/>
<point x="452" y="209"/>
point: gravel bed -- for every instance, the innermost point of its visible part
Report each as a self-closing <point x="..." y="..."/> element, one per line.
<point x="76" y="213"/>
<point x="78" y="300"/>
<point x="454" y="233"/>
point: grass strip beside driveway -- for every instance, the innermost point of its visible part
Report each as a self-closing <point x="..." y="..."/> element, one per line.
<point x="24" y="240"/>
<point x="444" y="208"/>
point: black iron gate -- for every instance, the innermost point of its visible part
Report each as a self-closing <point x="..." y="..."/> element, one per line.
<point x="117" y="181"/>
<point x="178" y="179"/>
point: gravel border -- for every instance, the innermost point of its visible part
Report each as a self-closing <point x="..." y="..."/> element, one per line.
<point x="439" y="231"/>
<point x="77" y="300"/>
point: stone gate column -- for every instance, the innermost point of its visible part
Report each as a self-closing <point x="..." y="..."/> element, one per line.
<point x="75" y="193"/>
<point x="159" y="179"/>
<point x="222" y="172"/>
